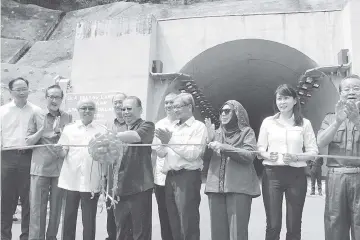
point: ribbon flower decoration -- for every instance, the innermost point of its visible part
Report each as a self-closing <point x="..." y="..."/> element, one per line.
<point x="107" y="149"/>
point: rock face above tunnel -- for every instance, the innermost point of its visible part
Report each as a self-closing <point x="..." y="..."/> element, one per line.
<point x="12" y="49"/>
<point x="52" y="56"/>
<point x="27" y="22"/>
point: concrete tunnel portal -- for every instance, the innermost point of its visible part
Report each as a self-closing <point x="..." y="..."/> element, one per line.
<point x="249" y="71"/>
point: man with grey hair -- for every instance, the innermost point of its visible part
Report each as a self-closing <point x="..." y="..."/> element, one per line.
<point x="159" y="177"/>
<point x="340" y="132"/>
<point x="117" y="125"/>
<point x="45" y="128"/>
<point x="183" y="166"/>
<point x="80" y="175"/>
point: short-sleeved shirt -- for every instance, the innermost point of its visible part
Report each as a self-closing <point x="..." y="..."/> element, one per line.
<point x="45" y="162"/>
<point x="115" y="126"/>
<point x="79" y="171"/>
<point x="136" y="171"/>
<point x="14" y="123"/>
<point x="346" y="142"/>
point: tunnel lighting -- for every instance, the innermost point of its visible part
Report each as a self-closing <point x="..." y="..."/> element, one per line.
<point x="302" y="102"/>
<point x="309" y="80"/>
<point x="308" y="95"/>
<point x="194" y="92"/>
<point x="316" y="85"/>
<point x="188" y="83"/>
<point x="182" y="90"/>
<point x="202" y="101"/>
<point x="301" y="93"/>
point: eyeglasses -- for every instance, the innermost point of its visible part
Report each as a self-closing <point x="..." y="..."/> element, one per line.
<point x="179" y="106"/>
<point x="83" y="109"/>
<point x="226" y="111"/>
<point x="124" y="109"/>
<point x="54" y="97"/>
<point x="354" y="89"/>
<point x="118" y="102"/>
<point x="20" y="90"/>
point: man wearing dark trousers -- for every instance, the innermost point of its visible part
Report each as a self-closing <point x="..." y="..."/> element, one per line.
<point x="15" y="164"/>
<point x="134" y="175"/>
<point x="80" y="175"/>
<point x="316" y="174"/>
<point x="183" y="165"/>
<point x="159" y="177"/>
<point x="340" y="132"/>
<point x="117" y="125"/>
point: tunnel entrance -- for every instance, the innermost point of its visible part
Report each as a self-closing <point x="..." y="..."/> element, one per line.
<point x="248" y="71"/>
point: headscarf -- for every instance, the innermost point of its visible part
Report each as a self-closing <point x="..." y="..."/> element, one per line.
<point x="230" y="133"/>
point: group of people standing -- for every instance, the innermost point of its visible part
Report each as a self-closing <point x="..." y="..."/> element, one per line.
<point x="172" y="167"/>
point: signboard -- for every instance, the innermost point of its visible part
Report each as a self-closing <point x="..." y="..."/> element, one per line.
<point x="105" y="111"/>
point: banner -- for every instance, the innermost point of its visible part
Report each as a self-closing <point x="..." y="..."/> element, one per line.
<point x="105" y="111"/>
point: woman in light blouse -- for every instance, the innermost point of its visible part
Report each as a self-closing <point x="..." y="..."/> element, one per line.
<point x="281" y="137"/>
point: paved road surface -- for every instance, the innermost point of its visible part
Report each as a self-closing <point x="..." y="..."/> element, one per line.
<point x="313" y="227"/>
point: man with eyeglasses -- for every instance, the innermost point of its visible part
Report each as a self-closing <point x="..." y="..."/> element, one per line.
<point x="159" y="177"/>
<point x="340" y="132"/>
<point x="135" y="180"/>
<point x="117" y="125"/>
<point x="80" y="175"/>
<point x="15" y="164"/>
<point x="183" y="166"/>
<point x="45" y="128"/>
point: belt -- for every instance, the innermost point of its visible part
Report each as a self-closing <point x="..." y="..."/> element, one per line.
<point x="21" y="151"/>
<point x="176" y="172"/>
<point x="344" y="170"/>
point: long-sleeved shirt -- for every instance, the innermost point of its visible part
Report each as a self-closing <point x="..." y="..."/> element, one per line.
<point x="79" y="171"/>
<point x="278" y="137"/>
<point x="14" y="123"/>
<point x="185" y="156"/>
<point x="159" y="176"/>
<point x="45" y="162"/>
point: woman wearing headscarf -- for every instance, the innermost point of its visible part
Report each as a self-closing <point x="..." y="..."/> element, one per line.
<point x="232" y="181"/>
<point x="282" y="140"/>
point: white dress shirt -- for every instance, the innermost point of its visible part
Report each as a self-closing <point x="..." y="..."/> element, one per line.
<point x="159" y="176"/>
<point x="277" y="136"/>
<point x="79" y="172"/>
<point x="190" y="156"/>
<point x="14" y="123"/>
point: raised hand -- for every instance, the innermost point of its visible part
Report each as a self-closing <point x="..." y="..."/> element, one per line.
<point x="210" y="128"/>
<point x="164" y="135"/>
<point x="340" y="112"/>
<point x="352" y="111"/>
<point x="56" y="125"/>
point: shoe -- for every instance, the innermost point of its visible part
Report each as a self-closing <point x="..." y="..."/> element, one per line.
<point x="312" y="193"/>
<point x="15" y="219"/>
<point x="320" y="193"/>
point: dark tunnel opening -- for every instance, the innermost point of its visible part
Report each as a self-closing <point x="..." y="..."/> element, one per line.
<point x="248" y="71"/>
